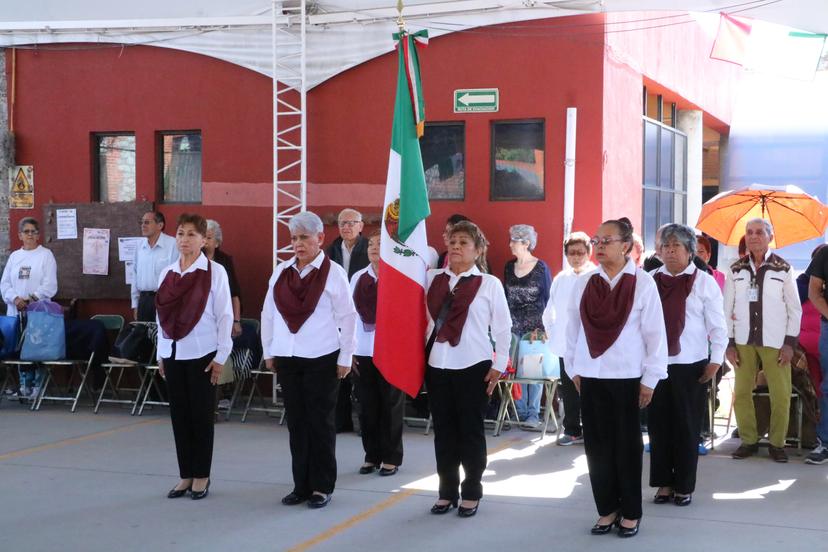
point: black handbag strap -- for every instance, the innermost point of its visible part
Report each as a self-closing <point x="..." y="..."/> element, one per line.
<point x="441" y="317"/>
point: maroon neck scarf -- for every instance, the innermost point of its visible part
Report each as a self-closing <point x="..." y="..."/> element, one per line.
<point x="464" y="293"/>
<point x="296" y="297"/>
<point x="674" y="291"/>
<point x="365" y="301"/>
<point x="181" y="301"/>
<point x="604" y="311"/>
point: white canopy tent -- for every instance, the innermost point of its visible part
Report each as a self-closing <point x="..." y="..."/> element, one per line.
<point x="301" y="43"/>
<point x="339" y="33"/>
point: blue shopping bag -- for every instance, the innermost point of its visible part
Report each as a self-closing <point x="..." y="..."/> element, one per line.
<point x="536" y="361"/>
<point x="44" y="337"/>
<point x="10" y="330"/>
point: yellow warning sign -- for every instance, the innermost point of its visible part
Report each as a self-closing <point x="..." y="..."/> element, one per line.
<point x="21" y="187"/>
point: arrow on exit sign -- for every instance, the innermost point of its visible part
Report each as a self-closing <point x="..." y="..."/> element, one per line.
<point x="476" y="99"/>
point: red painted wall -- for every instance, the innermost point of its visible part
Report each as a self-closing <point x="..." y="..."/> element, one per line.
<point x="62" y="96"/>
<point x="540" y="68"/>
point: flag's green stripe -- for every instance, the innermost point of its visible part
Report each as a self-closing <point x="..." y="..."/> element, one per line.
<point x="413" y="194"/>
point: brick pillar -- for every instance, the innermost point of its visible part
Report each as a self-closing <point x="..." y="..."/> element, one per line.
<point x="6" y="159"/>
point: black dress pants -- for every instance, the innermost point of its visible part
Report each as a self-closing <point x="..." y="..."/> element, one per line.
<point x="381" y="414"/>
<point x="191" y="397"/>
<point x="458" y="403"/>
<point x="572" y="404"/>
<point x="676" y="413"/>
<point x="613" y="445"/>
<point x="146" y="306"/>
<point x="309" y="386"/>
<point x="344" y="416"/>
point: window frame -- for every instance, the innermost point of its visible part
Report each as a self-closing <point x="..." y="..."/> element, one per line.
<point x="461" y="123"/>
<point x="674" y="191"/>
<point x="94" y="138"/>
<point x="492" y="160"/>
<point x="159" y="165"/>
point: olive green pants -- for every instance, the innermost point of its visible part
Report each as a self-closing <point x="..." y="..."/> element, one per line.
<point x="751" y="360"/>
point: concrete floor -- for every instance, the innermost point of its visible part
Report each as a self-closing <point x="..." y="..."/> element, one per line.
<point x="90" y="482"/>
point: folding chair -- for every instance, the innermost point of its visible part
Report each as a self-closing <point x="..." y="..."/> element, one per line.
<point x="255" y="377"/>
<point x="239" y="382"/>
<point x="796" y="398"/>
<point x="10" y="380"/>
<point x="115" y="323"/>
<point x="507" y="403"/>
<point x="151" y="380"/>
<point x="81" y="368"/>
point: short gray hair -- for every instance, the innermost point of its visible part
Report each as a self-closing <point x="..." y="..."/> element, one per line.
<point x="216" y="228"/>
<point x="348" y="211"/>
<point x="307" y="221"/>
<point x="685" y="235"/>
<point x="524" y="233"/>
<point x="28" y="220"/>
<point x="768" y="226"/>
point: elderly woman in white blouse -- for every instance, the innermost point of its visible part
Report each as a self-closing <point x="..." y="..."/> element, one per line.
<point x="577" y="250"/>
<point x="696" y="341"/>
<point x="616" y="353"/>
<point x="463" y="306"/>
<point x="30" y="274"/>
<point x="308" y="338"/>
<point x="382" y="405"/>
<point x="195" y="318"/>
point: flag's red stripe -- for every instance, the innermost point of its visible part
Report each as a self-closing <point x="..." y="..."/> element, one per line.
<point x="399" y="346"/>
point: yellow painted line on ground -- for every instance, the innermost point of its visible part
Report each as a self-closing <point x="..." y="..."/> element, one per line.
<point x="376" y="509"/>
<point x="76" y="440"/>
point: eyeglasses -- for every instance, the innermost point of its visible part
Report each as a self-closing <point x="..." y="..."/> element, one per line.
<point x="30" y="232"/>
<point x="606" y="240"/>
<point x="143" y="222"/>
<point x="348" y="223"/>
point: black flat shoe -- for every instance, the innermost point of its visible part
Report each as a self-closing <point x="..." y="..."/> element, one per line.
<point x="198" y="495"/>
<point x="683" y="500"/>
<point x="663" y="499"/>
<point x="599" y="529"/>
<point x="627" y="532"/>
<point x="178" y="493"/>
<point x="440" y="509"/>
<point x="293" y="499"/>
<point x="388" y="471"/>
<point x="318" y="501"/>
<point x="365" y="470"/>
<point x="468" y="512"/>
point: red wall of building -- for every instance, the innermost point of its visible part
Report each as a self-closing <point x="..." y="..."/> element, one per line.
<point x="62" y="96"/>
<point x="540" y="69"/>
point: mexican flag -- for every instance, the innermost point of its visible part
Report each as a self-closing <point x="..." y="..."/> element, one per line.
<point x="399" y="344"/>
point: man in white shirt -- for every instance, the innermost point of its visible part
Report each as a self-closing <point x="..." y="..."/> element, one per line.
<point x="763" y="314"/>
<point x="151" y="257"/>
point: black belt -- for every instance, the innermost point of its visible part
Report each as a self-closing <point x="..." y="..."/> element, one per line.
<point x="148" y="293"/>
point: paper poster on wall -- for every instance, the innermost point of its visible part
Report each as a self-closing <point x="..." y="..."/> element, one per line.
<point x="128" y="276"/>
<point x="96" y="251"/>
<point x="67" y="224"/>
<point x="128" y="246"/>
<point x="21" y="187"/>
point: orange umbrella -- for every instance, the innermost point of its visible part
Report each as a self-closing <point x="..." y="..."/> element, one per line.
<point x="795" y="215"/>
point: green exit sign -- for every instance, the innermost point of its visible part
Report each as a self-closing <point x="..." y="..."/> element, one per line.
<point x="476" y="100"/>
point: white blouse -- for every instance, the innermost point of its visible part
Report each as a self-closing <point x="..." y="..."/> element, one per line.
<point x="28" y="273"/>
<point x="213" y="330"/>
<point x="705" y="330"/>
<point x="488" y="309"/>
<point x="556" y="313"/>
<point x="332" y="325"/>
<point x="365" y="338"/>
<point x="641" y="348"/>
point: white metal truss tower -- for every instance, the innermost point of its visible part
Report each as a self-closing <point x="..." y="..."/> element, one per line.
<point x="289" y="120"/>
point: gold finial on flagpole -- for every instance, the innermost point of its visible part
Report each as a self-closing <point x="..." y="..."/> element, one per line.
<point x="400" y="20"/>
